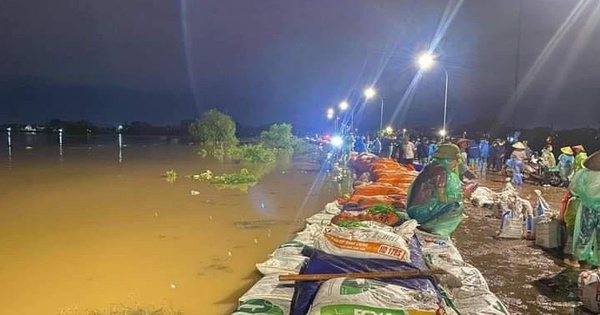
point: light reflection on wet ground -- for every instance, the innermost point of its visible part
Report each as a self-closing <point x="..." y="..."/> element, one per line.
<point x="83" y="231"/>
<point x="528" y="279"/>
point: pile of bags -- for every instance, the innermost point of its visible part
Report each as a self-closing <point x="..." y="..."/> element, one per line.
<point x="518" y="219"/>
<point x="368" y="232"/>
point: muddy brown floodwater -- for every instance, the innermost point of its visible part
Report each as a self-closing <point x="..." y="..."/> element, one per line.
<point x="528" y="279"/>
<point x="82" y="231"/>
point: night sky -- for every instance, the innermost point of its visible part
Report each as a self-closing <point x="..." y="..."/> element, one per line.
<point x="265" y="61"/>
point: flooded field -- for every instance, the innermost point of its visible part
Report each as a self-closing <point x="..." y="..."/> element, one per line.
<point x="526" y="278"/>
<point x="92" y="226"/>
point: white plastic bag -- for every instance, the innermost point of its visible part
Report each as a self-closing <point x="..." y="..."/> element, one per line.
<point x="365" y="296"/>
<point x="548" y="233"/>
<point x="267" y="297"/>
<point x="363" y="243"/>
<point x="589" y="289"/>
<point x="511" y="225"/>
<point x="282" y="265"/>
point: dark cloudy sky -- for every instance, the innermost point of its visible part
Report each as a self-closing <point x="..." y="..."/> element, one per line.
<point x="288" y="60"/>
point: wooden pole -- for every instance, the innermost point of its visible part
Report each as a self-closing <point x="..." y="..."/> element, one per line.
<point x="363" y="275"/>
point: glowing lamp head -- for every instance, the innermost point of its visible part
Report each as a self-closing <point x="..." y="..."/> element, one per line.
<point x="337" y="141"/>
<point x="443" y="132"/>
<point x="370" y="92"/>
<point x="389" y="129"/>
<point x="344" y="105"/>
<point x="330" y="111"/>
<point x="425" y="61"/>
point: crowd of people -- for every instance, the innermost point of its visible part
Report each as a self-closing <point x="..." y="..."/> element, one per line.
<point x="478" y="157"/>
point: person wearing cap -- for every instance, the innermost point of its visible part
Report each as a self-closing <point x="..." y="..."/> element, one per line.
<point x="435" y="197"/>
<point x="585" y="208"/>
<point x="518" y="156"/>
<point x="565" y="164"/>
<point x="580" y="157"/>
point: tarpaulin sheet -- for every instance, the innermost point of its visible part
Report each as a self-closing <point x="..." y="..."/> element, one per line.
<point x="320" y="262"/>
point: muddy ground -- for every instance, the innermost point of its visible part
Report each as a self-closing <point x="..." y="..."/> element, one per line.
<point x="528" y="279"/>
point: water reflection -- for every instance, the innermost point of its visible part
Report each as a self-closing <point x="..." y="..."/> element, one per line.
<point x="120" y="147"/>
<point x="60" y="144"/>
<point x="9" y="141"/>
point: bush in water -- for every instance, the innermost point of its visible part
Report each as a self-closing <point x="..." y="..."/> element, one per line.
<point x="253" y="153"/>
<point x="279" y="136"/>
<point x="214" y="128"/>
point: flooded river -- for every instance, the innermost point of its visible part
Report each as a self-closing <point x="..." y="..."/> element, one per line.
<point x="93" y="226"/>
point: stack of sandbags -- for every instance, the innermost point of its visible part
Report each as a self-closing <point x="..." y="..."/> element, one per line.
<point x="473" y="297"/>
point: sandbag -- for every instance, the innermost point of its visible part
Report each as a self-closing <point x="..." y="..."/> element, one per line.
<point x="589" y="289"/>
<point x="511" y="225"/>
<point x="548" y="233"/>
<point x="344" y="296"/>
<point x="363" y="243"/>
<point x="320" y="218"/>
<point x="290" y="264"/>
<point x="266" y="297"/>
<point x="321" y="262"/>
<point x="483" y="197"/>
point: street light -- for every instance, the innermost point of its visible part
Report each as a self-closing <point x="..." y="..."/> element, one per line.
<point x="370" y="93"/>
<point x="425" y="61"/>
<point x="344" y="105"/>
<point x="389" y="130"/>
<point x="443" y="133"/>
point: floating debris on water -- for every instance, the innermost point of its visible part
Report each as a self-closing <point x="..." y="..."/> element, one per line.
<point x="173" y="285"/>
<point x="210" y="217"/>
<point x="229" y="254"/>
<point x="194" y="192"/>
<point x="156" y="214"/>
<point x="260" y="224"/>
<point x="255" y="241"/>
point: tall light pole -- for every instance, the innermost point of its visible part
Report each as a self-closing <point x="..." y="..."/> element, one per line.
<point x="425" y="61"/>
<point x="370" y="93"/>
<point x="344" y="106"/>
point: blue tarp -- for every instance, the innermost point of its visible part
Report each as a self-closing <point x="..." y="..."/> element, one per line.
<point x="320" y="262"/>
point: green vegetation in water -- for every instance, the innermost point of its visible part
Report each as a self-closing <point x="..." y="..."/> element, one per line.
<point x="171" y="176"/>
<point x="278" y="136"/>
<point x="252" y="153"/>
<point x="243" y="177"/>
<point x="214" y="128"/>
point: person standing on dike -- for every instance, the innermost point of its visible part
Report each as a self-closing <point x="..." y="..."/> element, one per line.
<point x="518" y="156"/>
<point x="580" y="157"/>
<point x="565" y="165"/>
<point x="582" y="216"/>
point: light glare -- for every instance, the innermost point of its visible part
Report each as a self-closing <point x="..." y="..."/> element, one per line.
<point x="344" y="105"/>
<point x="425" y="61"/>
<point x="370" y="92"/>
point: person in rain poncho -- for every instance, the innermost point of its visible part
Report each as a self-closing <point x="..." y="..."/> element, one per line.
<point x="463" y="167"/>
<point x="376" y="147"/>
<point x="435" y="197"/>
<point x="360" y="146"/>
<point x="518" y="156"/>
<point x="548" y="162"/>
<point x="580" y="157"/>
<point x="585" y="207"/>
<point x="432" y="148"/>
<point x="484" y="153"/>
<point x="565" y="164"/>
